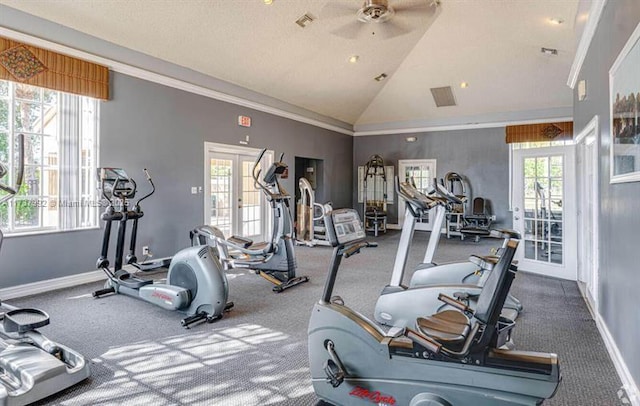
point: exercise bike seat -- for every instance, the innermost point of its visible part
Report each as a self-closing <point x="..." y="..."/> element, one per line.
<point x="449" y="327"/>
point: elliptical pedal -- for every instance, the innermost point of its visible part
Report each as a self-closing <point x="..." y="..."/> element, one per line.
<point x="24" y="320"/>
<point x="289" y="283"/>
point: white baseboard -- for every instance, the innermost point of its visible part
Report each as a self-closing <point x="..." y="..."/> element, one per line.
<point x="628" y="383"/>
<point x="394" y="226"/>
<point x="51" y="284"/>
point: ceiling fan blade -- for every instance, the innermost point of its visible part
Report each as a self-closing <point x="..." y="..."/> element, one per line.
<point x="416" y="8"/>
<point x="338" y="9"/>
<point x="351" y="30"/>
<point x="389" y="29"/>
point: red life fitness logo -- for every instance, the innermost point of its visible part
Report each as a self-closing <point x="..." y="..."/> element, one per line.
<point x="162" y="296"/>
<point x="373" y="396"/>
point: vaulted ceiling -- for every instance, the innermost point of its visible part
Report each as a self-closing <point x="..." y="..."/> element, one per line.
<point x="493" y="45"/>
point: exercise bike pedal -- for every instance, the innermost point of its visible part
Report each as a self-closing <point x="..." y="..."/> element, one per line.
<point x="335" y="376"/>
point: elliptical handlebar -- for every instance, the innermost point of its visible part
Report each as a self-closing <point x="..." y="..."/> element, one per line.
<point x="153" y="187"/>
<point x="256" y="172"/>
<point x="12" y="191"/>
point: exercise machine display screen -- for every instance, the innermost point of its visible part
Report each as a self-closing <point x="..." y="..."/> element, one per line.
<point x="111" y="174"/>
<point x="344" y="226"/>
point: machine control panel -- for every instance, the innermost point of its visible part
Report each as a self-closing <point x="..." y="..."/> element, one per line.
<point x="110" y="177"/>
<point x="344" y="227"/>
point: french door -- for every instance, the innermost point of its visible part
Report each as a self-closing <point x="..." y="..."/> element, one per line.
<point x="544" y="210"/>
<point x="588" y="252"/>
<point x="232" y="202"/>
<point x="422" y="171"/>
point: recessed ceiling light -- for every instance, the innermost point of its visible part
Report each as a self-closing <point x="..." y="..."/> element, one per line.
<point x="556" y="21"/>
<point x="353" y="58"/>
<point x="267" y="2"/>
<point x="381" y="77"/>
<point x="464" y="85"/>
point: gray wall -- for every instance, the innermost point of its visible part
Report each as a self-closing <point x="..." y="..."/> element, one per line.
<point x="619" y="215"/>
<point x="147" y="125"/>
<point x="481" y="155"/>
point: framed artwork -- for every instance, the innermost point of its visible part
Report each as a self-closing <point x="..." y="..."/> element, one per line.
<point x="624" y="85"/>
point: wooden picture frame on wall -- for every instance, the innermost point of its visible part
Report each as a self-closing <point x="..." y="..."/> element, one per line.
<point x="624" y="102"/>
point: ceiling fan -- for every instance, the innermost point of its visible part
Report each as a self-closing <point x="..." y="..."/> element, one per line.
<point x="379" y="18"/>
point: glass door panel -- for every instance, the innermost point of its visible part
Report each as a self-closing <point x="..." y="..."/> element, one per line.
<point x="421" y="172"/>
<point x="541" y="197"/>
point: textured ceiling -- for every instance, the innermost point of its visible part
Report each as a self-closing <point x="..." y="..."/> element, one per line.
<point x="492" y="44"/>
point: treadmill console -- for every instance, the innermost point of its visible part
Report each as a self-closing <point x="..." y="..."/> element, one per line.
<point x="343" y="227"/>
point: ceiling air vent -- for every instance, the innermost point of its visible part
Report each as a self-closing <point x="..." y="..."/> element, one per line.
<point x="443" y="96"/>
<point x="304" y="20"/>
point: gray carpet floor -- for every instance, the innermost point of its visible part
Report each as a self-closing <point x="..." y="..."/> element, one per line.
<point x="257" y="354"/>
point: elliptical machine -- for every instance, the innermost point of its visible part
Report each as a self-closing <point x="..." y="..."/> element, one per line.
<point x="275" y="259"/>
<point x="455" y="357"/>
<point x="32" y="367"/>
<point x="196" y="283"/>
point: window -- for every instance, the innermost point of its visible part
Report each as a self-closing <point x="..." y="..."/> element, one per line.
<point x="60" y="138"/>
<point x="529" y="145"/>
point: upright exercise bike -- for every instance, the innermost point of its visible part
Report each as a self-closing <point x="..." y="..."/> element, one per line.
<point x="275" y="259"/>
<point x="455" y="357"/>
<point x="32" y="367"/>
<point x="196" y="283"/>
<point x="400" y="305"/>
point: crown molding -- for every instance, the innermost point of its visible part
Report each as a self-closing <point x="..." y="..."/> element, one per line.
<point x="595" y="12"/>
<point x="467" y="123"/>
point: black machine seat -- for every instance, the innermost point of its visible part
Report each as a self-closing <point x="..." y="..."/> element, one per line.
<point x="449" y="327"/>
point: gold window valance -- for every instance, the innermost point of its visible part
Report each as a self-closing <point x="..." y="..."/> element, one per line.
<point x="539" y="132"/>
<point x="39" y="67"/>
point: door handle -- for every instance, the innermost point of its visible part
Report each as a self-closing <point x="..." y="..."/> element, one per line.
<point x="516" y="218"/>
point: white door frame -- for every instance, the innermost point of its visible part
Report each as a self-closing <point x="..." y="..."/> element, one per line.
<point x="590" y="136"/>
<point x="402" y="207"/>
<point x="568" y="269"/>
<point x="214" y="147"/>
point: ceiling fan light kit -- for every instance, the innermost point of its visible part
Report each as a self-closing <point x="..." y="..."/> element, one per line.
<point x="376" y="11"/>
